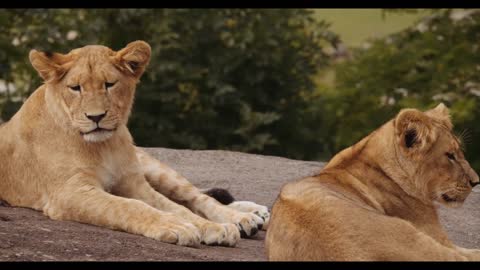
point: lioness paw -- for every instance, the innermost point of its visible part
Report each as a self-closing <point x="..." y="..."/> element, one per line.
<point x="265" y="215"/>
<point x="185" y="234"/>
<point x="251" y="207"/>
<point x="188" y="235"/>
<point x="222" y="234"/>
<point x="247" y="223"/>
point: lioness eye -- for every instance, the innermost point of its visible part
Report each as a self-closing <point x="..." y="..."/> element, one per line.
<point x="75" y="87"/>
<point x="108" y="85"/>
<point x="450" y="156"/>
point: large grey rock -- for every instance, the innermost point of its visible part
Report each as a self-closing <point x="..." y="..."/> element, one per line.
<point x="28" y="235"/>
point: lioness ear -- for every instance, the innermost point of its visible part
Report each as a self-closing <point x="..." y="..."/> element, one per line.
<point x="441" y="109"/>
<point x="441" y="113"/>
<point x="414" y="131"/>
<point x="50" y="66"/>
<point x="134" y="58"/>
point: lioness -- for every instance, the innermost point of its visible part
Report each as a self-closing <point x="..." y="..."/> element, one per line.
<point x="375" y="199"/>
<point x="68" y="153"/>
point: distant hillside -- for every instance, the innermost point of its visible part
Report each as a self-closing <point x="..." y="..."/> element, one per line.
<point x="356" y="25"/>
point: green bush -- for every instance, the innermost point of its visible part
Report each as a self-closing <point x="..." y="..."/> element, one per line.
<point x="235" y="79"/>
<point x="437" y="60"/>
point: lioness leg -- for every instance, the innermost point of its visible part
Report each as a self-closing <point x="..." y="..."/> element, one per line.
<point x="394" y="239"/>
<point x="340" y="231"/>
<point x="225" y="198"/>
<point x="471" y="254"/>
<point x="168" y="182"/>
<point x="135" y="186"/>
<point x="81" y="199"/>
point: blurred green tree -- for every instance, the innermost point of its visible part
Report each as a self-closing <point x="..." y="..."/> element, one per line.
<point x="436" y="60"/>
<point x="238" y="79"/>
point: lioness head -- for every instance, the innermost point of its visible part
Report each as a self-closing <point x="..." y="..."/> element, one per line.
<point x="432" y="156"/>
<point x="93" y="86"/>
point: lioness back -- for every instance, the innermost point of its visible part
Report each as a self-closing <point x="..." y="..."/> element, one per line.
<point x="305" y="206"/>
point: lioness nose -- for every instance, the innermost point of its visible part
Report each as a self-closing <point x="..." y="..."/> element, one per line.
<point x="474" y="180"/>
<point x="473" y="184"/>
<point x="96" y="118"/>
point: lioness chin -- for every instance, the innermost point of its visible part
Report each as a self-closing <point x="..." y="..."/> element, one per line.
<point x="68" y="152"/>
<point x="376" y="199"/>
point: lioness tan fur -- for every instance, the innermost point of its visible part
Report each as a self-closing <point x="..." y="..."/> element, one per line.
<point x="376" y="199"/>
<point x="68" y="152"/>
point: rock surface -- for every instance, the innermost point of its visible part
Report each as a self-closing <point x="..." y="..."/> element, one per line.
<point x="27" y="235"/>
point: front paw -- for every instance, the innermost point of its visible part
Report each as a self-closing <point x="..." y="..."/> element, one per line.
<point x="266" y="219"/>
<point x="183" y="234"/>
<point x="222" y="234"/>
<point x="247" y="223"/>
<point x="251" y="207"/>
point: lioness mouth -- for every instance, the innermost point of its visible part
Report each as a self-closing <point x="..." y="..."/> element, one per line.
<point x="98" y="129"/>
<point x="447" y="198"/>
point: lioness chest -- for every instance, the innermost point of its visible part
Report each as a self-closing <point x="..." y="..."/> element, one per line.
<point x="115" y="166"/>
<point x="38" y="169"/>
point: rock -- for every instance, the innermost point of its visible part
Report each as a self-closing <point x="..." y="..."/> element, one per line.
<point x="248" y="177"/>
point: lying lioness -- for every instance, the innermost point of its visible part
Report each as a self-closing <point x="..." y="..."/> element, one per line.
<point x="375" y="199"/>
<point x="68" y="152"/>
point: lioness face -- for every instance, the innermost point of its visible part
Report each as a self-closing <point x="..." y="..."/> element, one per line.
<point x="94" y="85"/>
<point x="450" y="177"/>
<point x="433" y="156"/>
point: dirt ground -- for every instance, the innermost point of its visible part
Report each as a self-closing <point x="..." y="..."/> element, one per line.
<point x="27" y="235"/>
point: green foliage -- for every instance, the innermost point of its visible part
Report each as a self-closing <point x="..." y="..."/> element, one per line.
<point x="242" y="79"/>
<point x="20" y="31"/>
<point x="437" y="60"/>
<point x="231" y="79"/>
<point x="218" y="79"/>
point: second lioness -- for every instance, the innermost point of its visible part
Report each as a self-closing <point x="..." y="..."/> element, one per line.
<point x="375" y="199"/>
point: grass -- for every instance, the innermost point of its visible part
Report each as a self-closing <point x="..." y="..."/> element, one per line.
<point x="357" y="25"/>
